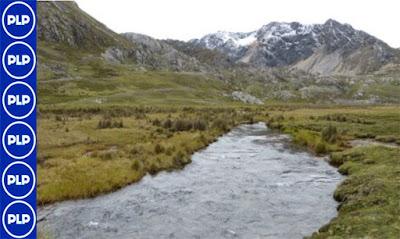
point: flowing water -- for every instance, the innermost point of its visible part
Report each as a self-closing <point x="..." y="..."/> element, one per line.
<point x="249" y="184"/>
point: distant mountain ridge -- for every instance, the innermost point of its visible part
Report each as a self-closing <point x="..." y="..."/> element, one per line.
<point x="329" y="48"/>
<point x="279" y="61"/>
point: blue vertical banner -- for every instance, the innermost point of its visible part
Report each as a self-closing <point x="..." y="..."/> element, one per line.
<point x="18" y="119"/>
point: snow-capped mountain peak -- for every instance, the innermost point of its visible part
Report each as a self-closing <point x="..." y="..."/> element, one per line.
<point x="231" y="39"/>
<point x="283" y="29"/>
<point x="286" y="44"/>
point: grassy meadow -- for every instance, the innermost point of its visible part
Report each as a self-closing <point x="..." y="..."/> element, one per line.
<point x="85" y="152"/>
<point x="103" y="126"/>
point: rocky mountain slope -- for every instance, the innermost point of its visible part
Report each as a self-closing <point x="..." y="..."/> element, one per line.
<point x="280" y="61"/>
<point x="64" y="23"/>
<point x="207" y="56"/>
<point x="329" y="48"/>
<point x="164" y="55"/>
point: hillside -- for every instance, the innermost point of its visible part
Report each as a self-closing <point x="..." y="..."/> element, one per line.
<point x="82" y="61"/>
<point x="65" y="24"/>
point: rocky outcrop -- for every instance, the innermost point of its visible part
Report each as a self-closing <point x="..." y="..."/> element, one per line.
<point x="160" y="55"/>
<point x="63" y="22"/>
<point x="246" y="98"/>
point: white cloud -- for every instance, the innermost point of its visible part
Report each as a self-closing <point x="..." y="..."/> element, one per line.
<point x="187" y="19"/>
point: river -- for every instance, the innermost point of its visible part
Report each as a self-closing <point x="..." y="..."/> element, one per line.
<point x="251" y="183"/>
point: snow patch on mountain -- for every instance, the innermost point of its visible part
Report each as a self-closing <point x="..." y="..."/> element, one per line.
<point x="251" y="38"/>
<point x="230" y="39"/>
<point x="280" y="30"/>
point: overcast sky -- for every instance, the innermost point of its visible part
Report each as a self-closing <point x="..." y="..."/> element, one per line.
<point x="187" y="19"/>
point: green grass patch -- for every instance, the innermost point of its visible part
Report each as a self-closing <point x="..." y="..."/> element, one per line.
<point x="370" y="196"/>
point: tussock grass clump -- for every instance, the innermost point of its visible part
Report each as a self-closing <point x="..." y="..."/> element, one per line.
<point x="179" y="125"/>
<point x="136" y="165"/>
<point x="158" y="149"/>
<point x="321" y="148"/>
<point x="335" y="117"/>
<point x="200" y="125"/>
<point x="167" y="124"/>
<point x="182" y="125"/>
<point x="59" y="118"/>
<point x="220" y="124"/>
<point x="108" y="155"/>
<point x="156" y="122"/>
<point x="329" y="134"/>
<point x="181" y="159"/>
<point x="108" y="123"/>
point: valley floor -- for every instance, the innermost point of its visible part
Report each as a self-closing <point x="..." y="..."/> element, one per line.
<point x="85" y="152"/>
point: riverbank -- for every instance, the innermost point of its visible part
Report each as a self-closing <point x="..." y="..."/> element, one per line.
<point x="85" y="153"/>
<point x="369" y="197"/>
<point x="250" y="183"/>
